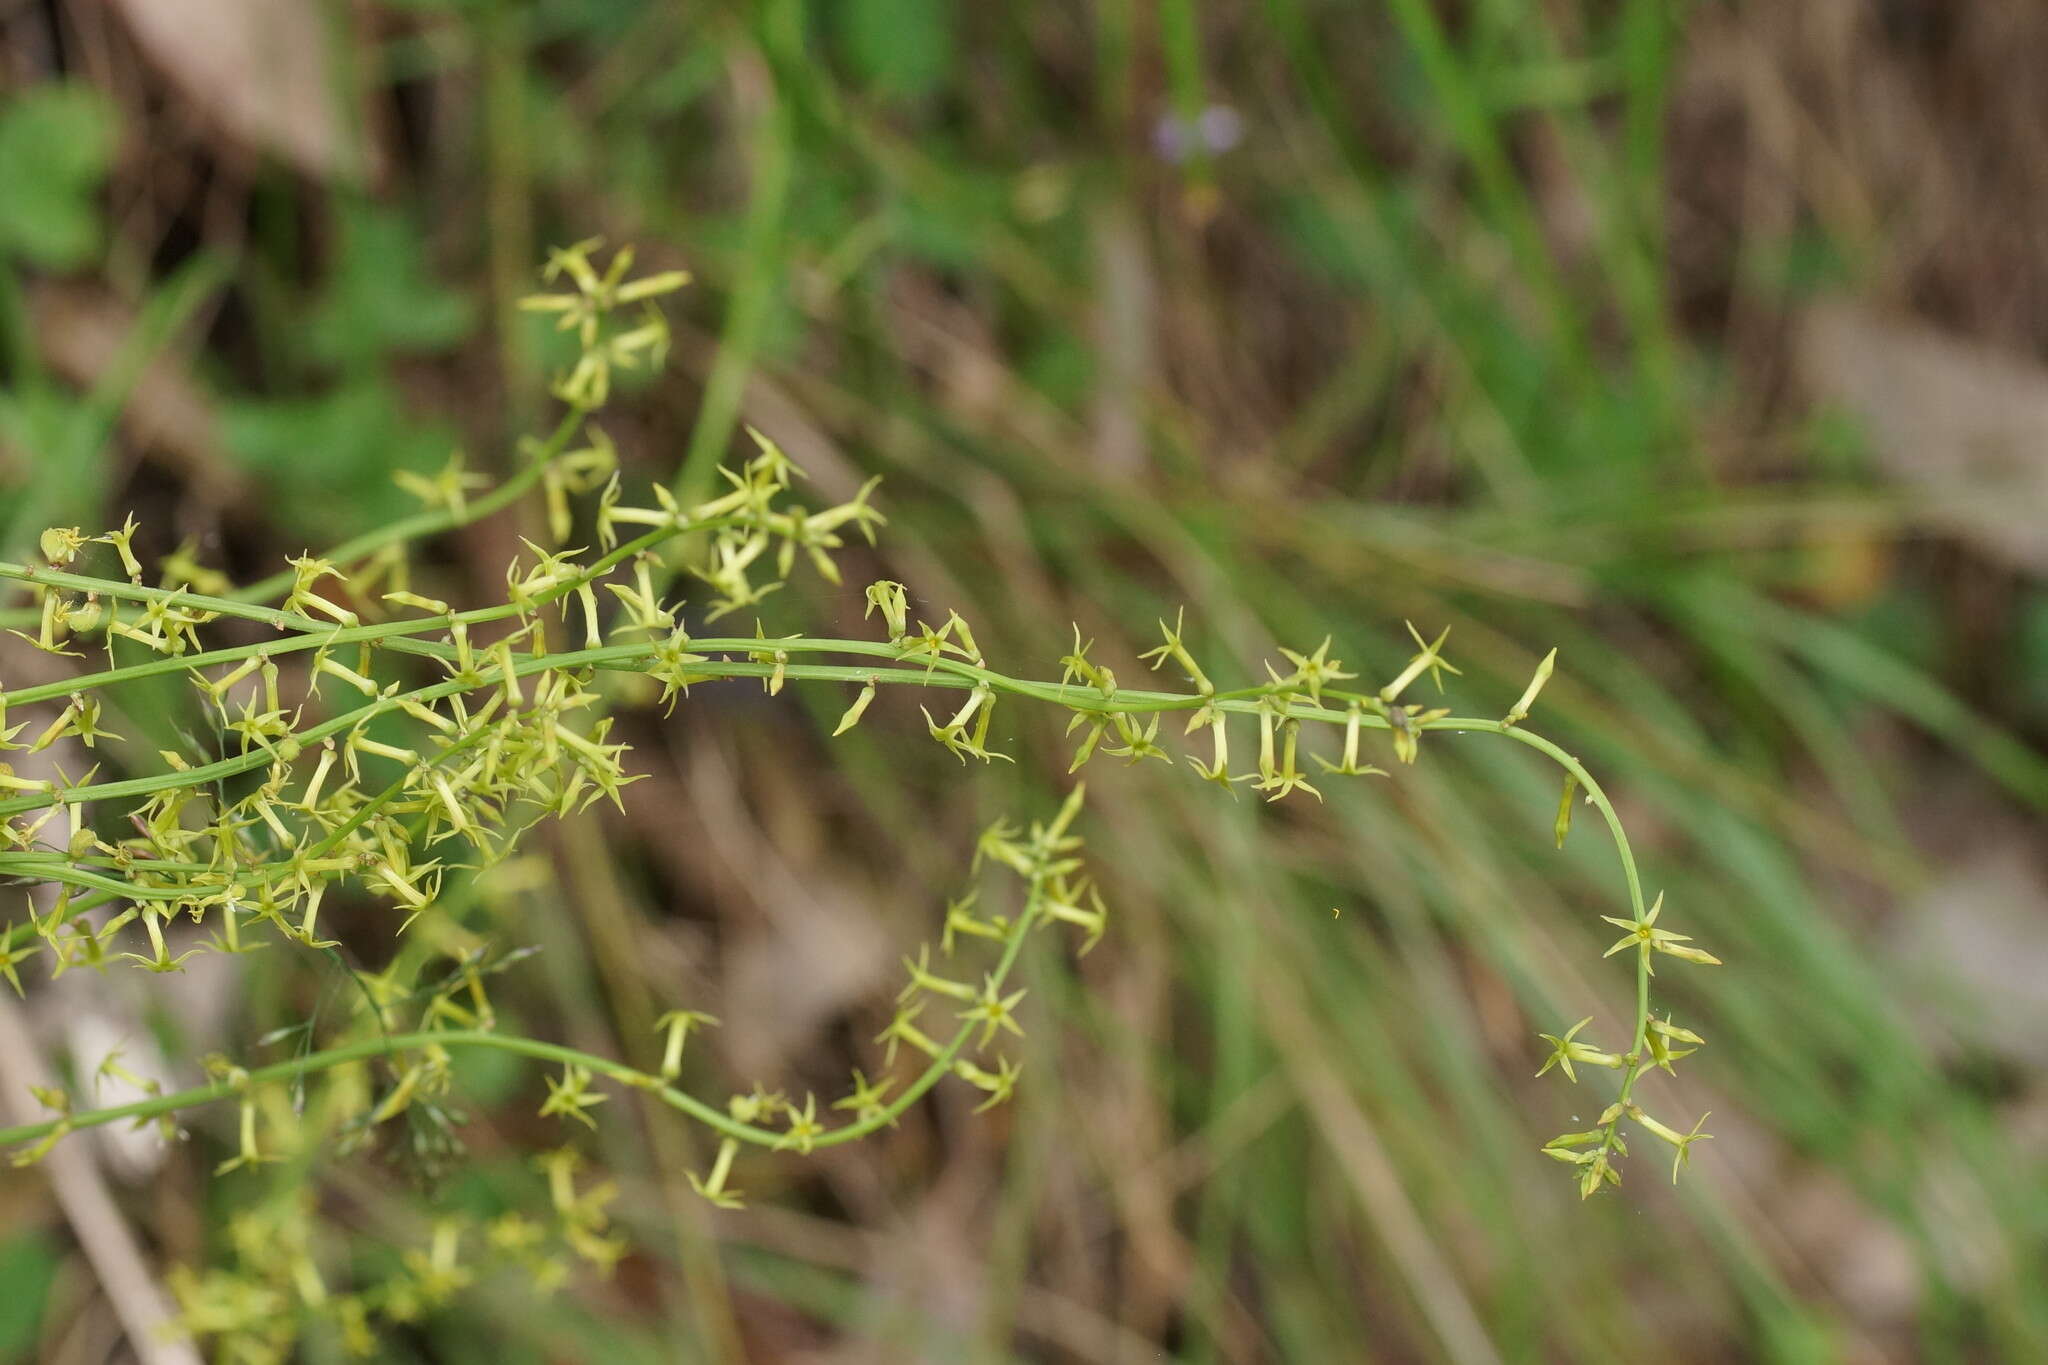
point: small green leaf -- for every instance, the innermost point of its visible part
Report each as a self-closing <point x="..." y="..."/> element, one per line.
<point x="28" y="1263"/>
<point x="899" y="47"/>
<point x="1564" y="807"/>
<point x="56" y="143"/>
<point x="381" y="295"/>
<point x="330" y="458"/>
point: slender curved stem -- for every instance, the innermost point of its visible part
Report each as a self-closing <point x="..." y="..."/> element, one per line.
<point x="391" y="1045"/>
<point x="1639" y="1050"/>
<point x="878" y="663"/>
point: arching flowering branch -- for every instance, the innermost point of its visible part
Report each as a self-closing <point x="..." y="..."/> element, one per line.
<point x="384" y="739"/>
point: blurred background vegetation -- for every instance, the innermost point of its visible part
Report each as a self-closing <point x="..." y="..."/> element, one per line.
<point x="1702" y="341"/>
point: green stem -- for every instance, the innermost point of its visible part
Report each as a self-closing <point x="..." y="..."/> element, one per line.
<point x="946" y="673"/>
<point x="1639" y="1050"/>
<point x="391" y="1045"/>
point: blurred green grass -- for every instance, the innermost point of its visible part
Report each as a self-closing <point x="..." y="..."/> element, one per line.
<point x="1411" y="351"/>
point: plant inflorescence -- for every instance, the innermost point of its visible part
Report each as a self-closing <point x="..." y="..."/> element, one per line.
<point x="371" y="736"/>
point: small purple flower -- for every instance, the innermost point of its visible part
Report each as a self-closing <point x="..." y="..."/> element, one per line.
<point x="1214" y="131"/>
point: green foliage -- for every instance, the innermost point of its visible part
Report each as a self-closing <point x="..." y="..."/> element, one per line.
<point x="898" y="47"/>
<point x="380" y="297"/>
<point x="56" y="142"/>
<point x="329" y="458"/>
<point x="28" y="1266"/>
